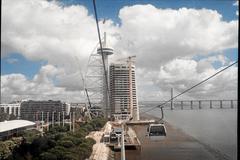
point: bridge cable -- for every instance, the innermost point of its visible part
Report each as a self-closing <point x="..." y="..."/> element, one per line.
<point x="161" y="105"/>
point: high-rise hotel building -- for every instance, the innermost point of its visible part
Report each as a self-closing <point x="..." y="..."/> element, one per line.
<point x="123" y="96"/>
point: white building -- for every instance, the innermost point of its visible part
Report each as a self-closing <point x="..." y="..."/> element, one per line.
<point x="11" y="108"/>
<point x="68" y="106"/>
<point x="123" y="95"/>
<point x="14" y="127"/>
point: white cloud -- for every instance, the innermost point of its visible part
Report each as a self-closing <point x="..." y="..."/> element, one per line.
<point x="18" y="87"/>
<point x="206" y="63"/>
<point x="168" y="39"/>
<point x="236" y="3"/>
<point x="166" y="33"/>
<point x="43" y="30"/>
<point x="46" y="73"/>
<point x="182" y="74"/>
<point x="161" y="38"/>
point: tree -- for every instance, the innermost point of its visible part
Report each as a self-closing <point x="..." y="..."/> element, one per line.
<point x="57" y="144"/>
<point x="3" y="116"/>
<point x="6" y="117"/>
<point x="66" y="143"/>
<point x="48" y="156"/>
<point x="12" y="117"/>
<point x="39" y="145"/>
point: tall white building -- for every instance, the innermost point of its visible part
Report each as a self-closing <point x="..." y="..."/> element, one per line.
<point x="123" y="96"/>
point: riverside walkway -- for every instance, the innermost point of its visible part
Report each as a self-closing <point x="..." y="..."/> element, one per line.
<point x="177" y="145"/>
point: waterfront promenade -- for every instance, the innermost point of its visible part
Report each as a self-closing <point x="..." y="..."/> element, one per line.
<point x="177" y="145"/>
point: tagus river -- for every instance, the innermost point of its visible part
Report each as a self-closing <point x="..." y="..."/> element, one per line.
<point x="215" y="127"/>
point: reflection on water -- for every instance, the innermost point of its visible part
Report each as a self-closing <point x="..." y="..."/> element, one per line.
<point x="215" y="127"/>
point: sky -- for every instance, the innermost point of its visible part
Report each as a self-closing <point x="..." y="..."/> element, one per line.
<point x="45" y="46"/>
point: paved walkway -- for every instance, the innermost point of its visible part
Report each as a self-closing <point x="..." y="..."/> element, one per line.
<point x="100" y="150"/>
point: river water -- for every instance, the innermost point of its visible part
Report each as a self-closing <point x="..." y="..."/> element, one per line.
<point x="215" y="127"/>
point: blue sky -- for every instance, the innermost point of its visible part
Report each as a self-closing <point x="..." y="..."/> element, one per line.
<point x="110" y="8"/>
<point x="16" y="63"/>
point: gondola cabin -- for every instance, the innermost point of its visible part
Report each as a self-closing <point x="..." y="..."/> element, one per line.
<point x="156" y="131"/>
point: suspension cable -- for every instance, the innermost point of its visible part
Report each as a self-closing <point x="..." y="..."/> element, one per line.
<point x="161" y="105"/>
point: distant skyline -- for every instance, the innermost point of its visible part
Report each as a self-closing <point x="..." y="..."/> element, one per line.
<point x="177" y="43"/>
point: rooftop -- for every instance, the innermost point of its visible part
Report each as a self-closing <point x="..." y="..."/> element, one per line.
<point x="14" y="124"/>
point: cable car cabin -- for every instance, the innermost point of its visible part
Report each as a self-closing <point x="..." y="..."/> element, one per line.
<point x="156" y="131"/>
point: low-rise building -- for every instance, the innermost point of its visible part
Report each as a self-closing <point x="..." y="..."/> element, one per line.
<point x="42" y="110"/>
<point x="14" y="127"/>
<point x="78" y="109"/>
<point x="11" y="108"/>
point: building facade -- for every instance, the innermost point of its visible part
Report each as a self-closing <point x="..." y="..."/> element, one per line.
<point x="42" y="110"/>
<point x="78" y="109"/>
<point x="123" y="95"/>
<point x="13" y="108"/>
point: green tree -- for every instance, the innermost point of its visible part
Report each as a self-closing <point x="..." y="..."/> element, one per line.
<point x="39" y="145"/>
<point x="66" y="143"/>
<point x="12" y="117"/>
<point x="48" y="156"/>
<point x="57" y="144"/>
<point x="6" y="117"/>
